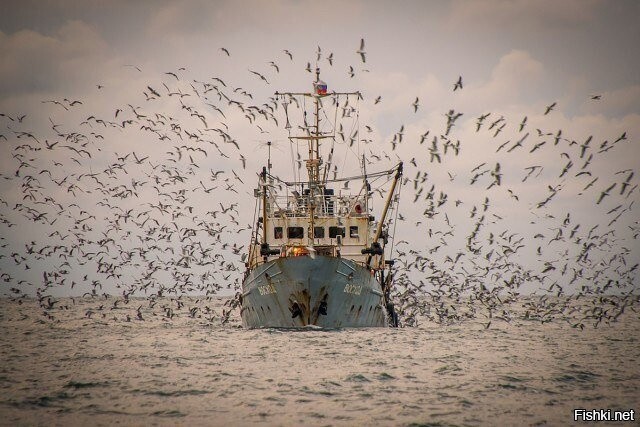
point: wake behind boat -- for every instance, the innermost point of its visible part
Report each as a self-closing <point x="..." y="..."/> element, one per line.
<point x="317" y="255"/>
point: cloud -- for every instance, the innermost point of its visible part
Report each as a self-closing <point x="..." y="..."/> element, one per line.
<point x="35" y="62"/>
<point x="522" y="15"/>
<point x="514" y="80"/>
<point x="226" y="19"/>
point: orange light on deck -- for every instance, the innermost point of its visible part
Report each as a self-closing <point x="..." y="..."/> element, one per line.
<point x="299" y="251"/>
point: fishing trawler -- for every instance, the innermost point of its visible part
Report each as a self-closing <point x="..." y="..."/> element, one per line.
<point x="317" y="254"/>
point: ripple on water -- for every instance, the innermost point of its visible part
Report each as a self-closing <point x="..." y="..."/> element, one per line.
<point x="78" y="384"/>
<point x="48" y="401"/>
<point x="169" y="414"/>
<point x="430" y="424"/>
<point x="578" y="376"/>
<point x="383" y="376"/>
<point x="175" y="393"/>
<point x="357" y="378"/>
<point x="447" y="369"/>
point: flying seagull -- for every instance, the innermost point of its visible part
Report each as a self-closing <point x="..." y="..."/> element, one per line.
<point x="415" y="105"/>
<point x="549" y="108"/>
<point x="458" y="84"/>
<point x="361" y="51"/>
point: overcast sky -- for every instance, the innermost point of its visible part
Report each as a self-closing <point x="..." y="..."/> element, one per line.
<point x="515" y="59"/>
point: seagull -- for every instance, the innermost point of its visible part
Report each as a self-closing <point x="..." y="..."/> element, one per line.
<point x="55" y="102"/>
<point x="458" y="84"/>
<point x="225" y="51"/>
<point x="153" y="91"/>
<point x="259" y="75"/>
<point x="415" y="105"/>
<point x="626" y="183"/>
<point x="519" y="143"/>
<point x="361" y="51"/>
<point x="423" y="137"/>
<point x="621" y="137"/>
<point x="537" y="146"/>
<point x="433" y="151"/>
<point x="496" y="174"/>
<point x="605" y="193"/>
<point x="549" y="108"/>
<point x="288" y="54"/>
<point x="139" y="161"/>
<point x="481" y="120"/>
<point x="237" y="177"/>
<point x="50" y="146"/>
<point x="523" y="123"/>
<point x="583" y="147"/>
<point x="219" y="80"/>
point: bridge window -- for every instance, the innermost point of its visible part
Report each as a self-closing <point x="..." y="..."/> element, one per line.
<point x="277" y="232"/>
<point x="295" y="232"/>
<point x="353" y="231"/>
<point x="336" y="231"/>
<point x="318" y="232"/>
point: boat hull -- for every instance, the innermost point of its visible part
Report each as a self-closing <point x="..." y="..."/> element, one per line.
<point x="320" y="291"/>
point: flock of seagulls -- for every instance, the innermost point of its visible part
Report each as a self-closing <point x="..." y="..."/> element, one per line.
<point x="116" y="202"/>
<point x="586" y="275"/>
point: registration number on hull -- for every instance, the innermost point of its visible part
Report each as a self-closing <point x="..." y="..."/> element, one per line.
<point x="267" y="289"/>
<point x="353" y="289"/>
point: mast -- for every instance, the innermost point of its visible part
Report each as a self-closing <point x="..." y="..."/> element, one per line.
<point x="366" y="187"/>
<point x="264" y="205"/>
<point x="314" y="161"/>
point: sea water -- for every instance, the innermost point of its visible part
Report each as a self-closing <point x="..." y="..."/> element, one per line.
<point x="92" y="364"/>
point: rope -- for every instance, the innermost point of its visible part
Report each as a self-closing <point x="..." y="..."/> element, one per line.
<point x="254" y="230"/>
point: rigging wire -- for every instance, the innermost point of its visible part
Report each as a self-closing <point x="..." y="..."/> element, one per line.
<point x="327" y="167"/>
<point x="293" y="161"/>
<point x="333" y="140"/>
<point x="355" y="125"/>
<point x="351" y="178"/>
<point x="254" y="230"/>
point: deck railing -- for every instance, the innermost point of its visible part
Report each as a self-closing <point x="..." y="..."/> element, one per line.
<point x="330" y="206"/>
